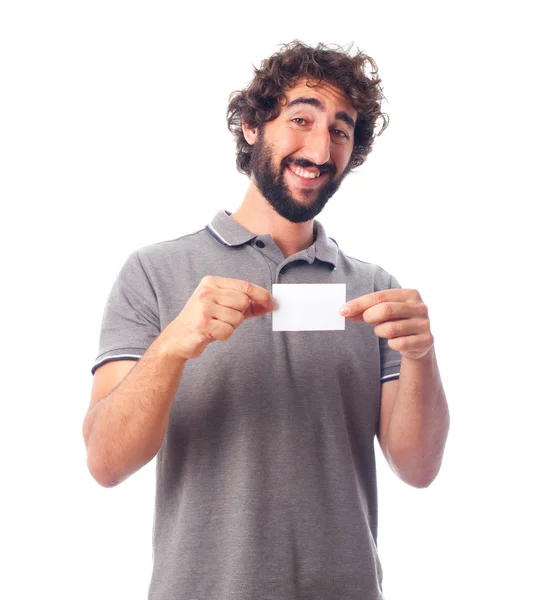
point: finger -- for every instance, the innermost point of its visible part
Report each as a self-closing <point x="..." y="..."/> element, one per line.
<point x="231" y="299"/>
<point x="227" y="315"/>
<point x="359" y="305"/>
<point x="240" y="302"/>
<point x="356" y="318"/>
<point x="255" y="292"/>
<point x="387" y="311"/>
<point x="256" y="310"/>
<point x="412" y="343"/>
<point x="393" y="329"/>
<point x="219" y="330"/>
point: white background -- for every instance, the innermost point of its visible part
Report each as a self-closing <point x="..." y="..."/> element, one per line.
<point x="113" y="136"/>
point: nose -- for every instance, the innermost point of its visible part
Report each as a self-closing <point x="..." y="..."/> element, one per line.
<point x="317" y="148"/>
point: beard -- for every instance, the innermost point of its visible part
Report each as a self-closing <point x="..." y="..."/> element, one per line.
<point x="274" y="189"/>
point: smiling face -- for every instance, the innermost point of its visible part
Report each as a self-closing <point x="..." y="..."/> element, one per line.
<point x="299" y="159"/>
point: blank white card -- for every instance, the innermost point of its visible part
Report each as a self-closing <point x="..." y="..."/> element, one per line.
<point x="309" y="306"/>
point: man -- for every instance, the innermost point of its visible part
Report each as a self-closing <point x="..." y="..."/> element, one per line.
<point x="266" y="480"/>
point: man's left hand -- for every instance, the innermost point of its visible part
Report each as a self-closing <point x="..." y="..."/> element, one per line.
<point x="400" y="315"/>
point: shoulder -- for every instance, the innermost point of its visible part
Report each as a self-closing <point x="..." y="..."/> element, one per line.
<point x="170" y="248"/>
<point x="380" y="277"/>
<point x="154" y="261"/>
<point x="169" y="254"/>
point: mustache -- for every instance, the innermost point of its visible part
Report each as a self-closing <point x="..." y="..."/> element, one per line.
<point x="302" y="162"/>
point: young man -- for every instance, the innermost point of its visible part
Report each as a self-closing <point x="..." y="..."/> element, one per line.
<point x="266" y="481"/>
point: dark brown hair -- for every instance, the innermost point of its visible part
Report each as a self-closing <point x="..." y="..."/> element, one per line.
<point x="260" y="102"/>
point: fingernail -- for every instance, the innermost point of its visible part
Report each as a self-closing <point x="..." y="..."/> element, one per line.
<point x="344" y="310"/>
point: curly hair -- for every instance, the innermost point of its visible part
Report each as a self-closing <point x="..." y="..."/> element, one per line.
<point x="260" y="102"/>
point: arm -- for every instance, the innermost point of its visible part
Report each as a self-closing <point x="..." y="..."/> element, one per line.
<point x="414" y="417"/>
<point x="130" y="407"/>
<point x="414" y="421"/>
<point x="124" y="429"/>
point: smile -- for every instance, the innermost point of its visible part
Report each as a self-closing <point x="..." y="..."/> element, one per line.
<point x="304" y="178"/>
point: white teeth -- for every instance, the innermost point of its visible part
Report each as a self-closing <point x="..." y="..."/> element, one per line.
<point x="306" y="174"/>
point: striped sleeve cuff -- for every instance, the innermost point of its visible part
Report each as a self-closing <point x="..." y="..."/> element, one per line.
<point x="390" y="373"/>
<point x="118" y="354"/>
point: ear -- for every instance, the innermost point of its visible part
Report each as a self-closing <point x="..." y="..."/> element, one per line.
<point x="250" y="133"/>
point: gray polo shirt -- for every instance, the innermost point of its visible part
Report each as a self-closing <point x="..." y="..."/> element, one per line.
<point x="266" y="479"/>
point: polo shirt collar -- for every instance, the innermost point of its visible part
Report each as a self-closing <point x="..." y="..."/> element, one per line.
<point x="229" y="232"/>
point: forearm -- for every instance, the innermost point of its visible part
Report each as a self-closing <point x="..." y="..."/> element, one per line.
<point x="419" y="422"/>
<point x="125" y="429"/>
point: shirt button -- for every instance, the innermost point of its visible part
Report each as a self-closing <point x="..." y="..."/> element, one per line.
<point x="260" y="244"/>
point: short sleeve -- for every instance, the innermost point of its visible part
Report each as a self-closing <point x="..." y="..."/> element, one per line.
<point x="130" y="322"/>
<point x="390" y="360"/>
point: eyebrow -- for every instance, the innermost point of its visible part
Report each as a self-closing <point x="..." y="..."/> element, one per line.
<point x="341" y="115"/>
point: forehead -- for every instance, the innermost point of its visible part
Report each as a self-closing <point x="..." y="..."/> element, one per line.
<point x="331" y="96"/>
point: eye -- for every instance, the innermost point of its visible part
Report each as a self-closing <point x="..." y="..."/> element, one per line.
<point x="299" y="119"/>
<point x="340" y="133"/>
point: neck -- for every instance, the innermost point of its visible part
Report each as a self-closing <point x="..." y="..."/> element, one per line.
<point x="257" y="216"/>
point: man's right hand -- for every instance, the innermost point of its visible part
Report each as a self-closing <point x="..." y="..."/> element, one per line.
<point x="216" y="308"/>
